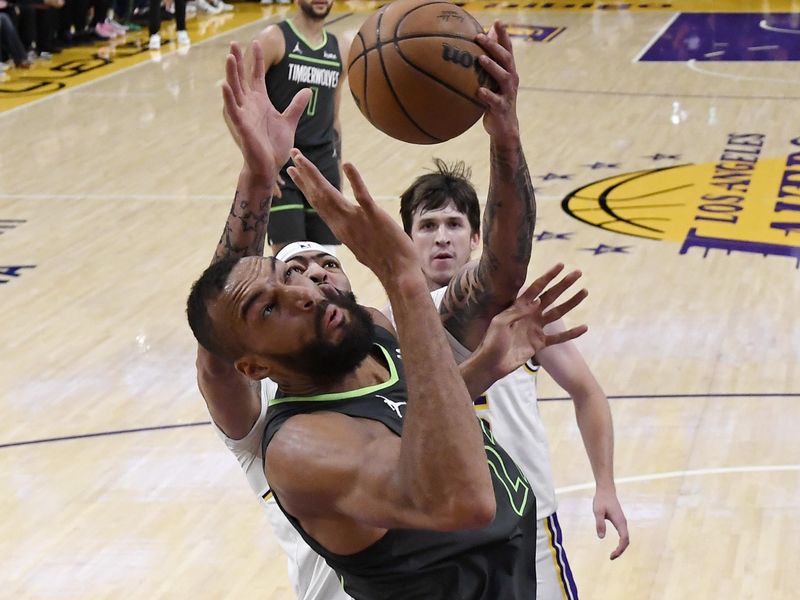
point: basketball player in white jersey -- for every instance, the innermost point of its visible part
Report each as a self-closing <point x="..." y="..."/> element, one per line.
<point x="441" y="214"/>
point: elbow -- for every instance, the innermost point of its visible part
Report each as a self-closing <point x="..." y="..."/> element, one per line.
<point x="471" y="510"/>
<point x="483" y="512"/>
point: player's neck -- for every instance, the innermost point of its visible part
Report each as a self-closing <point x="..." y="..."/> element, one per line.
<point x="311" y="29"/>
<point x="432" y="285"/>
<point x="371" y="371"/>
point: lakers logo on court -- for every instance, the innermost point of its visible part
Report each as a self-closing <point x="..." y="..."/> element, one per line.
<point x="739" y="203"/>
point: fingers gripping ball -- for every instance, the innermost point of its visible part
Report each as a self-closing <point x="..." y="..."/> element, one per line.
<point x="414" y="72"/>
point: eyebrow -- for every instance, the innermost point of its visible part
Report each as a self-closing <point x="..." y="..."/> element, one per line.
<point x="304" y="260"/>
<point x="249" y="302"/>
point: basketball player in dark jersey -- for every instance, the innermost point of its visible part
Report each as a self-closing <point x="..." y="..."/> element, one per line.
<point x="300" y="53"/>
<point x="389" y="481"/>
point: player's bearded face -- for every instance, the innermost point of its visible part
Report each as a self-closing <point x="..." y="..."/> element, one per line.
<point x="316" y="10"/>
<point x="328" y="361"/>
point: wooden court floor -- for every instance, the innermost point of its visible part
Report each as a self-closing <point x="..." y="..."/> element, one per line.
<point x="668" y="172"/>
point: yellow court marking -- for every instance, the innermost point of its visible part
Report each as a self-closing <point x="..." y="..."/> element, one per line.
<point x="82" y="64"/>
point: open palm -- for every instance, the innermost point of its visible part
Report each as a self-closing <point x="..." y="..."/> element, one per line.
<point x="263" y="134"/>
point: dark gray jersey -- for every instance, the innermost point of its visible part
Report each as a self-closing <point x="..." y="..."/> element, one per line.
<point x="495" y="563"/>
<point x="305" y="66"/>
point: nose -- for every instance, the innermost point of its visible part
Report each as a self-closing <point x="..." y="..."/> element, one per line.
<point x="316" y="273"/>
<point x="298" y="297"/>
<point x="442" y="238"/>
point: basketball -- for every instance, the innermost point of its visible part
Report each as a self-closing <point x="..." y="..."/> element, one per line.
<point x="414" y="72"/>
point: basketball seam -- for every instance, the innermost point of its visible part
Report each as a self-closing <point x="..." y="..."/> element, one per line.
<point x="413" y="66"/>
<point x="394" y="94"/>
<point x="366" y="102"/>
<point x="380" y="44"/>
<point x="437" y="80"/>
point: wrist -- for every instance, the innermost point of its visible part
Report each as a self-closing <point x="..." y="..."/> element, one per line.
<point x="509" y="143"/>
<point x="404" y="281"/>
<point x="605" y="486"/>
<point x="255" y="180"/>
<point x="486" y="360"/>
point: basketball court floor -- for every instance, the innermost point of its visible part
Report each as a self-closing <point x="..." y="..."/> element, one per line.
<point x="664" y="141"/>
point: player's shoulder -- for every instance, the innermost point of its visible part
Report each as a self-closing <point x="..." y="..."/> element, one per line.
<point x="382" y="321"/>
<point x="271" y="37"/>
<point x="306" y="437"/>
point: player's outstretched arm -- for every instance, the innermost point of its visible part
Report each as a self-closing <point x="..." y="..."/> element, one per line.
<point x="435" y="476"/>
<point x="264" y="137"/>
<point x="565" y="364"/>
<point x="487" y="286"/>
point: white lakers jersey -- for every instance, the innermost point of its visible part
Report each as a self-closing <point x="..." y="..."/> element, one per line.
<point x="309" y="574"/>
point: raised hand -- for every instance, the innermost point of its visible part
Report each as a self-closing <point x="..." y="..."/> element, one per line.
<point x="263" y="135"/>
<point x="375" y="239"/>
<point x="500" y="120"/>
<point x="517" y="333"/>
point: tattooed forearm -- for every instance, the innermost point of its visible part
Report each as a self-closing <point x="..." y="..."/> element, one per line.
<point x="468" y="296"/>
<point x="511" y="179"/>
<point x="524" y="187"/>
<point x="483" y="289"/>
<point x="245" y="230"/>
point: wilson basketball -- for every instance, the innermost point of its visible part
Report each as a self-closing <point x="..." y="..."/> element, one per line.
<point x="414" y="72"/>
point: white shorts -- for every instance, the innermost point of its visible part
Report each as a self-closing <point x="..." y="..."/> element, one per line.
<point x="554" y="579"/>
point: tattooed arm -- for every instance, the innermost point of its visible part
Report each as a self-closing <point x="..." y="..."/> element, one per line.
<point x="483" y="288"/>
<point x="264" y="137"/>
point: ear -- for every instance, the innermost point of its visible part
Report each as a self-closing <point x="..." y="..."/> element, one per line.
<point x="474" y="241"/>
<point x="252" y="368"/>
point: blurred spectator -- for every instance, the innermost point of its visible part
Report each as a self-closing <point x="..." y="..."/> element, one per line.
<point x="154" y="23"/>
<point x="10" y="44"/>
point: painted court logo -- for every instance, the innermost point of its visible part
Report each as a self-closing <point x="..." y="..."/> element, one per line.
<point x="740" y="203"/>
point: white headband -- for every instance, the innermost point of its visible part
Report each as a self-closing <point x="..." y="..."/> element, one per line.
<point x="289" y="251"/>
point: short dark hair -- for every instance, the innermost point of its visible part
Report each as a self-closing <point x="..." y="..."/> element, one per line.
<point x="435" y="190"/>
<point x="205" y="289"/>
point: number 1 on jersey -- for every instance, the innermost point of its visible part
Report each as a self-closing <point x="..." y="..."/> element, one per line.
<point x="312" y="104"/>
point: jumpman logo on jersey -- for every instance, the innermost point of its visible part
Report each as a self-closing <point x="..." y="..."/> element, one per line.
<point x="297" y="49"/>
<point x="395" y="406"/>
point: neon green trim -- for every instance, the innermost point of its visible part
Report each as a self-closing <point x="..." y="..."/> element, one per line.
<point x="486" y="430"/>
<point x="286" y="207"/>
<point x="309" y="210"/>
<point x="305" y="41"/>
<point x="393" y="378"/>
<point x="517" y="503"/>
<point x="316" y="61"/>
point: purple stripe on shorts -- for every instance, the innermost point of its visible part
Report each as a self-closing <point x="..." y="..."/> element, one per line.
<point x="567" y="579"/>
